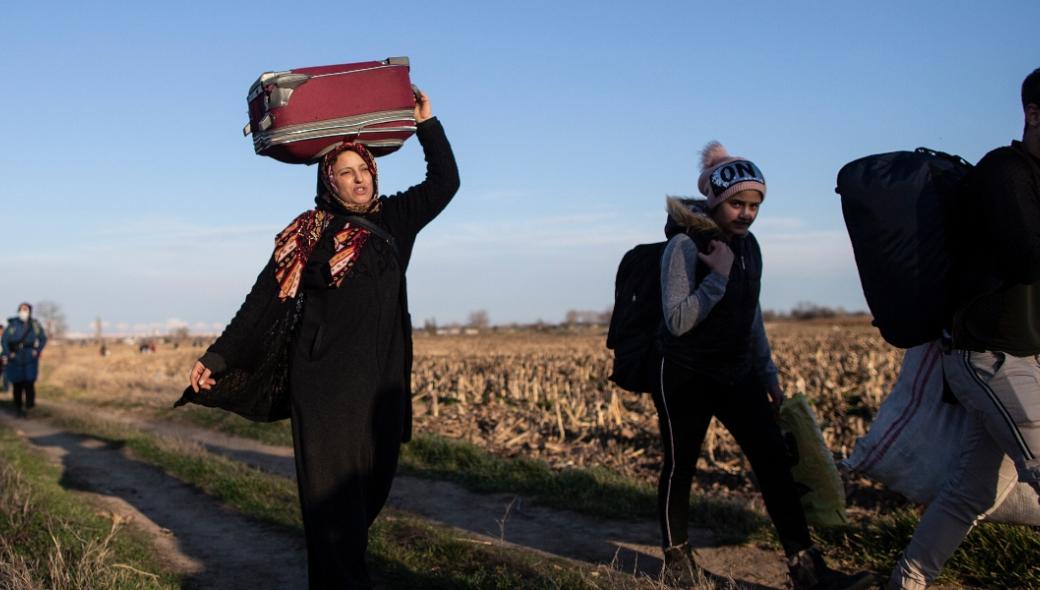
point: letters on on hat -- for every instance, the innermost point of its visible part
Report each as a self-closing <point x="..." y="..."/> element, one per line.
<point x="733" y="172"/>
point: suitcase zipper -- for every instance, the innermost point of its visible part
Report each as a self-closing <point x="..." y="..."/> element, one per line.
<point x="379" y="67"/>
<point x="345" y="126"/>
<point x="359" y="121"/>
<point x="370" y="143"/>
<point x="306" y="134"/>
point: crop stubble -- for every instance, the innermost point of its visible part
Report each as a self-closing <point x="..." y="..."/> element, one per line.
<point x="546" y="395"/>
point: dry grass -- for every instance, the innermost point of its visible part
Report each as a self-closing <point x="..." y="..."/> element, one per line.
<point x="52" y="540"/>
<point x="407" y="551"/>
<point x="546" y="396"/>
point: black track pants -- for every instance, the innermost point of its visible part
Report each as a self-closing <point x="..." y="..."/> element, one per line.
<point x="28" y="388"/>
<point x="685" y="404"/>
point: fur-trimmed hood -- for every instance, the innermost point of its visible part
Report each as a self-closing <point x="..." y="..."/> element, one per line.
<point x="687" y="215"/>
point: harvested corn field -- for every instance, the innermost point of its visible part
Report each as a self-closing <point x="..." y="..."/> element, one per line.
<point x="546" y="395"/>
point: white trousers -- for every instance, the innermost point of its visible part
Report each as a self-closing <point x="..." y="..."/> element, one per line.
<point x="1001" y="394"/>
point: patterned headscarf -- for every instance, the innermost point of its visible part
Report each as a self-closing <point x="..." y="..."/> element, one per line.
<point x="295" y="243"/>
<point x="327" y="175"/>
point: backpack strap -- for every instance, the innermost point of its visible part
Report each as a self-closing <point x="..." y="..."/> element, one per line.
<point x="378" y="231"/>
<point x="702" y="240"/>
<point x="1030" y="162"/>
<point x="25" y="335"/>
<point x="19" y="345"/>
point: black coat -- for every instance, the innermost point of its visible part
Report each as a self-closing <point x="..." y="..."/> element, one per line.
<point x="354" y="341"/>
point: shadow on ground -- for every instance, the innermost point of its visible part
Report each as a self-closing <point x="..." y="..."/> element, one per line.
<point x="218" y="547"/>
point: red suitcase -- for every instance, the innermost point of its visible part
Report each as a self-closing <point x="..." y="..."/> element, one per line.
<point x="296" y="116"/>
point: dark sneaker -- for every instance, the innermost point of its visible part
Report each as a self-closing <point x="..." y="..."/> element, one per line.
<point x="810" y="572"/>
<point x="680" y="571"/>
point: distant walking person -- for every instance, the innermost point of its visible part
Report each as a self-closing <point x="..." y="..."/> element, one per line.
<point x="717" y="362"/>
<point x="23" y="341"/>
<point x="3" y="366"/>
<point x="993" y="368"/>
<point x="351" y="356"/>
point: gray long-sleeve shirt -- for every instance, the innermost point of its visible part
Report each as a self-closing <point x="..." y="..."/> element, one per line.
<point x="686" y="304"/>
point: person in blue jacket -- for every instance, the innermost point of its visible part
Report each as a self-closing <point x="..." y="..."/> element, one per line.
<point x="23" y="341"/>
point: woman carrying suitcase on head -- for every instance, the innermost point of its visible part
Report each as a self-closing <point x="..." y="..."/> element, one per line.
<point x="350" y="356"/>
<point x="717" y="362"/>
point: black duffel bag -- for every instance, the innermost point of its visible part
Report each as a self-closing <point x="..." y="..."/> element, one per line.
<point x="897" y="208"/>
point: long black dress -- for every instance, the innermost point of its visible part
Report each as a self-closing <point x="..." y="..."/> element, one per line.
<point x="351" y="370"/>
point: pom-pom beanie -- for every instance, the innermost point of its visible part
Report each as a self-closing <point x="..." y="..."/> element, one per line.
<point x="723" y="175"/>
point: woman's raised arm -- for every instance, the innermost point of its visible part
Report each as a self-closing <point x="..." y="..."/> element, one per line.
<point x="418" y="205"/>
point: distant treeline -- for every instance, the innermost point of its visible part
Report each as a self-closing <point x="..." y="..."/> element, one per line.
<point x="806" y="310"/>
<point x="480" y="321"/>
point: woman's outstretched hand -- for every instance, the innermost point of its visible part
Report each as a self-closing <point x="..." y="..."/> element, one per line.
<point x="422" y="106"/>
<point x="201" y="377"/>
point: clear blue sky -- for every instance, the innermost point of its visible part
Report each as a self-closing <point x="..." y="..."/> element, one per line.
<point x="128" y="190"/>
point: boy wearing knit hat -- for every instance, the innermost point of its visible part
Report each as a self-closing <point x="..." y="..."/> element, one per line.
<point x="717" y="363"/>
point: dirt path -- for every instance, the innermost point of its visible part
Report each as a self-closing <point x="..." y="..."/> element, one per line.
<point x="211" y="545"/>
<point x="631" y="545"/>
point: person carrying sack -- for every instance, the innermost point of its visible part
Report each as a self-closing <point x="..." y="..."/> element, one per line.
<point x="717" y="362"/>
<point x="993" y="365"/>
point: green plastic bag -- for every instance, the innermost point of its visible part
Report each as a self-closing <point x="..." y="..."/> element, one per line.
<point x="813" y="464"/>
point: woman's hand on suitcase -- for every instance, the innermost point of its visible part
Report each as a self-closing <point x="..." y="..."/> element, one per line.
<point x="422" y="107"/>
<point x="719" y="257"/>
<point x="200" y="377"/>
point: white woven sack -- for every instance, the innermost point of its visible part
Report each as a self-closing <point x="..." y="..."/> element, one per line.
<point x="914" y="442"/>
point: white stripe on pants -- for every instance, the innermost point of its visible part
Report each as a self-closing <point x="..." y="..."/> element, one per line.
<point x="1001" y="394"/>
<point x="668" y="542"/>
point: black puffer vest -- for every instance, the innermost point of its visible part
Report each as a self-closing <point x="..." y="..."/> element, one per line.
<point x="720" y="346"/>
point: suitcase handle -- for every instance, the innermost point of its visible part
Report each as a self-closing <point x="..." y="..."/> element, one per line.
<point x="279" y="87"/>
<point x="264" y="124"/>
